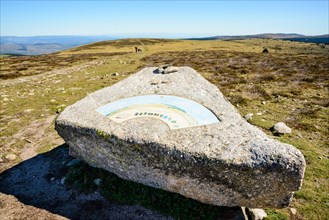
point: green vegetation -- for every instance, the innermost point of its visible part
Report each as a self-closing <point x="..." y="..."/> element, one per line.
<point x="289" y="84"/>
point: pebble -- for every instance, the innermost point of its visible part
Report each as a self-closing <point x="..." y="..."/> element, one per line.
<point x="248" y="116"/>
<point x="10" y="157"/>
<point x="52" y="100"/>
<point x="29" y="110"/>
<point x="5" y="99"/>
<point x="257" y="214"/>
<point x="63" y="180"/>
<point x="97" y="182"/>
<point x="259" y="113"/>
<point x="293" y="211"/>
<point x="263" y="103"/>
<point x="166" y="69"/>
<point x="52" y="179"/>
<point x="281" y="128"/>
<point x="115" y="74"/>
<point x="170" y="69"/>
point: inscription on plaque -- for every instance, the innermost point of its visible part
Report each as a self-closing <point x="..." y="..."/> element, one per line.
<point x="175" y="111"/>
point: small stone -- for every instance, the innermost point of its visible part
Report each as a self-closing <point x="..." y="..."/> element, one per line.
<point x="160" y="70"/>
<point x="10" y="157"/>
<point x="164" y="66"/>
<point x="293" y="211"/>
<point x="52" y="179"/>
<point x="97" y="182"/>
<point x="281" y="128"/>
<point x="166" y="69"/>
<point x="115" y="74"/>
<point x="52" y="100"/>
<point x="320" y="158"/>
<point x="257" y="214"/>
<point x="28" y="110"/>
<point x="299" y="136"/>
<point x="248" y="116"/>
<point x="5" y="99"/>
<point x="31" y="94"/>
<point x="170" y="69"/>
<point x="63" y="180"/>
<point x="259" y="113"/>
<point x="263" y="103"/>
<point x="28" y="140"/>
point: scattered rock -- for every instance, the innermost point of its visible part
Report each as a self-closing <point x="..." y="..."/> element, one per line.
<point x="10" y="157"/>
<point x="63" y="180"/>
<point x="248" y="116"/>
<point x="257" y="214"/>
<point x="28" y="110"/>
<point x="207" y="163"/>
<point x="166" y="69"/>
<point x="280" y="128"/>
<point x="299" y="136"/>
<point x="31" y="94"/>
<point x="28" y="140"/>
<point x="170" y="69"/>
<point x="97" y="182"/>
<point x="293" y="211"/>
<point x="259" y="113"/>
<point x="115" y="74"/>
<point x="52" y="100"/>
<point x="263" y="103"/>
<point x="5" y="99"/>
<point x="52" y="179"/>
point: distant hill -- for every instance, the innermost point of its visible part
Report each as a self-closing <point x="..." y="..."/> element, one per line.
<point x="44" y="44"/>
<point x="293" y="37"/>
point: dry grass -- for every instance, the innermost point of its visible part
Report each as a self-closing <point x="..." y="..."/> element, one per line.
<point x="16" y="66"/>
<point x="289" y="84"/>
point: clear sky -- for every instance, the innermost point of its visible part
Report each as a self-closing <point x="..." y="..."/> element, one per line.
<point x="163" y="18"/>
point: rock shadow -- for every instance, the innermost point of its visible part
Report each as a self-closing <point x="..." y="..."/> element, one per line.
<point x="38" y="182"/>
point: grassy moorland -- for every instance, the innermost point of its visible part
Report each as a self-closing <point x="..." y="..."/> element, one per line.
<point x="289" y="84"/>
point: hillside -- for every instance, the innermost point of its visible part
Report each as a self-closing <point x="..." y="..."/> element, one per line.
<point x="43" y="44"/>
<point x="289" y="84"/>
<point x="324" y="39"/>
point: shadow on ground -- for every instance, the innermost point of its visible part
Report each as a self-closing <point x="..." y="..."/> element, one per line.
<point x="38" y="182"/>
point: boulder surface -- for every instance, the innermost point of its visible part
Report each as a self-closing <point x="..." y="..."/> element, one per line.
<point x="227" y="163"/>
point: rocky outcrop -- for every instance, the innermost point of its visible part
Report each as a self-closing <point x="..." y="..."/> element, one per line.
<point x="226" y="162"/>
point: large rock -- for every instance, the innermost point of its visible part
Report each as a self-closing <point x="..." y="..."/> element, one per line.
<point x="225" y="163"/>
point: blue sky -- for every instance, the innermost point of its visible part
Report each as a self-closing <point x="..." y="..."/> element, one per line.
<point x="162" y="18"/>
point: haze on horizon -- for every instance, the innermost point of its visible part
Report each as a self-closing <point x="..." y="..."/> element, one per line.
<point x="162" y="19"/>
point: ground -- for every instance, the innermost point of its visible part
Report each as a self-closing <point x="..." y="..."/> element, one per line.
<point x="289" y="84"/>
